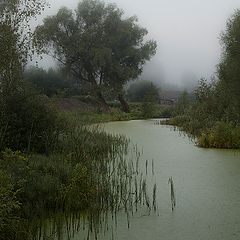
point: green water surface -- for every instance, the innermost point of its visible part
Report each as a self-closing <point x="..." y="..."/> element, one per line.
<point x="207" y="185"/>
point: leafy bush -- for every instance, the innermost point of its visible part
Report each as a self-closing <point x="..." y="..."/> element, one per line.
<point x="165" y="111"/>
<point x="8" y="207"/>
<point x="222" y="135"/>
<point x="28" y="123"/>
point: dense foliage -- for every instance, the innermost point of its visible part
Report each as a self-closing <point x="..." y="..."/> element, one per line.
<point x="137" y="91"/>
<point x="15" y="41"/>
<point x="214" y="118"/>
<point x="48" y="82"/>
<point x="28" y="123"/>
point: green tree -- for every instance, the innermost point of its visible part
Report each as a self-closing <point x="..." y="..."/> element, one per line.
<point x="214" y="117"/>
<point x="229" y="69"/>
<point x="137" y="91"/>
<point x="97" y="45"/>
<point x="49" y="82"/>
<point x="149" y="102"/>
<point x="183" y="102"/>
<point x="15" y="41"/>
<point x="26" y="121"/>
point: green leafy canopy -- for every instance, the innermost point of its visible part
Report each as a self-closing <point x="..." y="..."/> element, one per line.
<point x="96" y="43"/>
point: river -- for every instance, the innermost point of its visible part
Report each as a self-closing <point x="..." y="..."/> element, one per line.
<point x="207" y="187"/>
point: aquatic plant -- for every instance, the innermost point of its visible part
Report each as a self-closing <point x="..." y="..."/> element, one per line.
<point x="173" y="198"/>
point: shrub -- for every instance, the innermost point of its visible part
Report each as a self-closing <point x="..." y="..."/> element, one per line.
<point x="8" y="206"/>
<point x="166" y="112"/>
<point x="222" y="135"/>
<point x="28" y="123"/>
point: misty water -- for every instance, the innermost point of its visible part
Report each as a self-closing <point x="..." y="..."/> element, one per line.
<point x="207" y="186"/>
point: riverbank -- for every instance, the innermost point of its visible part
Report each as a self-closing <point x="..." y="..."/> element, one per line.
<point x="64" y="181"/>
<point x="211" y="134"/>
<point x="80" y="112"/>
<point x="73" y="176"/>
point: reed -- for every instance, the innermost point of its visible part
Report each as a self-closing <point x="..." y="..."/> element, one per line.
<point x="80" y="186"/>
<point x="173" y="198"/>
<point x="105" y="179"/>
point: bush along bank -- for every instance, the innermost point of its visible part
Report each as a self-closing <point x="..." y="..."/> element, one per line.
<point x="86" y="170"/>
<point x="213" y="118"/>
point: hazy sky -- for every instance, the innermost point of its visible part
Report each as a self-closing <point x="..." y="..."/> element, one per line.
<point x="187" y="32"/>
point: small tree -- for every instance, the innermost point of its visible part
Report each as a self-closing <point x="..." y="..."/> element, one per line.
<point x="15" y="41"/>
<point x="149" y="103"/>
<point x="183" y="102"/>
<point x="137" y="91"/>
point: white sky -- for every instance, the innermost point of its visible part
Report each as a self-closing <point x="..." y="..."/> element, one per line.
<point x="187" y="32"/>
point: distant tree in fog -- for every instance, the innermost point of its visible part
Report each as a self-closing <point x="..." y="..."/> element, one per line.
<point x="137" y="91"/>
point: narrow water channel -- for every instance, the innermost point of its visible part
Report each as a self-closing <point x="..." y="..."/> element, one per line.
<point x="207" y="185"/>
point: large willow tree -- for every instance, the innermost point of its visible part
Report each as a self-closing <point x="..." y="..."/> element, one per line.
<point x="97" y="45"/>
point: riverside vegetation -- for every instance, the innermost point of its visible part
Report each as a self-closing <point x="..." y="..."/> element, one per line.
<point x="212" y="118"/>
<point x="56" y="172"/>
<point x="54" y="169"/>
<point x="87" y="170"/>
<point x="59" y="174"/>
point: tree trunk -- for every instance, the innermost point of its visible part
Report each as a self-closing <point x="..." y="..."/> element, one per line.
<point x="103" y="102"/>
<point x="124" y="104"/>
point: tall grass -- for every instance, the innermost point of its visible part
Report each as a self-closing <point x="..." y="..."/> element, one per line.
<point x="88" y="178"/>
<point x="112" y="183"/>
<point x="208" y="133"/>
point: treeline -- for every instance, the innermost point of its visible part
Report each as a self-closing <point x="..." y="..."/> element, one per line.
<point x="214" y="117"/>
<point x="47" y="82"/>
<point x="53" y="82"/>
<point x="139" y="91"/>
